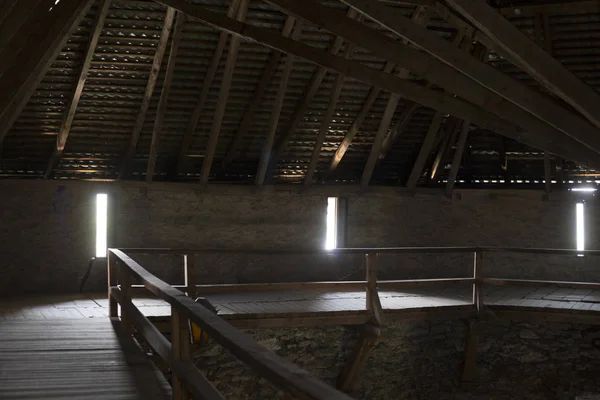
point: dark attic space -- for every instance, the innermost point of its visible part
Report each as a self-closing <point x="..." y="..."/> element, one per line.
<point x="300" y="199"/>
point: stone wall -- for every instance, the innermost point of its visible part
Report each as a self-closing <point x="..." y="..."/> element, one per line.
<point x="423" y="361"/>
<point x="47" y="232"/>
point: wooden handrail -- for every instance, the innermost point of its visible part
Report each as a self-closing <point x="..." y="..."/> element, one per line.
<point x="279" y="371"/>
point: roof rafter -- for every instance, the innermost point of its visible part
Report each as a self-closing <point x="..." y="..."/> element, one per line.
<point x="537" y="62"/>
<point x="152" y="77"/>
<point x="211" y="147"/>
<point x="276" y="111"/>
<point x="206" y="84"/>
<point x="538" y="135"/>
<point x="458" y="154"/>
<point x="164" y="97"/>
<point x="65" y="127"/>
<point x="426" y="147"/>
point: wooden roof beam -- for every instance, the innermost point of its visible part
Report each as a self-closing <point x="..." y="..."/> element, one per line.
<point x="152" y="77"/>
<point x="426" y="147"/>
<point x="276" y="111"/>
<point x="65" y="127"/>
<point x="206" y="84"/>
<point x="44" y="40"/>
<point x="538" y="134"/>
<point x="257" y="96"/>
<point x="211" y="148"/>
<point x="164" y="97"/>
<point x="537" y="62"/>
<point x="458" y="155"/>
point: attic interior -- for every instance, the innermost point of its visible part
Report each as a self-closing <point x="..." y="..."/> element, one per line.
<point x="285" y="199"/>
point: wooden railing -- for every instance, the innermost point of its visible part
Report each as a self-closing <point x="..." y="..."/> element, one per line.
<point x="188" y="380"/>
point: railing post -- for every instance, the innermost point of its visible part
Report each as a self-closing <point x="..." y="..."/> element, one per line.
<point x="111" y="266"/>
<point x="125" y="284"/>
<point x="477" y="274"/>
<point x="180" y="350"/>
<point x="373" y="301"/>
<point x="189" y="275"/>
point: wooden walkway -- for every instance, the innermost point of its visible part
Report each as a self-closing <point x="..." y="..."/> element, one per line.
<point x="43" y="355"/>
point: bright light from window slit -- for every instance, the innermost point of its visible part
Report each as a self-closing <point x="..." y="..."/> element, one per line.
<point x="580" y="227"/>
<point x="331" y="237"/>
<point x="101" y="224"/>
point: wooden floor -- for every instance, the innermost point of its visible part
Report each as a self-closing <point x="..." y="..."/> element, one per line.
<point x="75" y="358"/>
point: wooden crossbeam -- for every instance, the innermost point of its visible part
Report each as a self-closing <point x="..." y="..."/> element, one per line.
<point x="164" y="97"/>
<point x="232" y="53"/>
<point x="500" y="92"/>
<point x="42" y="40"/>
<point x="434" y="127"/>
<point x="65" y="127"/>
<point x="206" y="84"/>
<point x="538" y="134"/>
<point x="152" y="77"/>
<point x="420" y="16"/>
<point x="537" y="62"/>
<point x="333" y="101"/>
<point x="257" y="96"/>
<point x="276" y="111"/>
<point x="456" y="160"/>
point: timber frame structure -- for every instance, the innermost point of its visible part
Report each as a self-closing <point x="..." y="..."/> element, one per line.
<point x="403" y="93"/>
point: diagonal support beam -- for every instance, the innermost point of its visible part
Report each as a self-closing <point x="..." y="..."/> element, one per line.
<point x="65" y="127"/>
<point x="164" y="97"/>
<point x="415" y="174"/>
<point x="206" y="84"/>
<point x="458" y="154"/>
<point x="152" y="77"/>
<point x="276" y="111"/>
<point x="43" y="40"/>
<point x="234" y="46"/>
<point x="537" y="62"/>
<point x="397" y="130"/>
<point x="348" y="378"/>
<point x="537" y="133"/>
<point x="257" y="97"/>
<point x="449" y="139"/>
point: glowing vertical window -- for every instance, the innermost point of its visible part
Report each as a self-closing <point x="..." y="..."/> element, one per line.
<point x="580" y="226"/>
<point x="101" y="224"/>
<point x="331" y="236"/>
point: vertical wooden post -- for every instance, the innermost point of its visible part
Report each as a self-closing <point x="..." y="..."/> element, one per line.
<point x="180" y="350"/>
<point x="111" y="265"/>
<point x="189" y="270"/>
<point x="125" y="284"/>
<point x="477" y="270"/>
<point x="371" y="259"/>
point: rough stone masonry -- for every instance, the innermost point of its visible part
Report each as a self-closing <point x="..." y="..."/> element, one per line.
<point x="422" y="360"/>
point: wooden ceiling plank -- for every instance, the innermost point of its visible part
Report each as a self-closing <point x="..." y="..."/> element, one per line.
<point x="324" y="127"/>
<point x="458" y="154"/>
<point x="537" y="62"/>
<point x="538" y="134"/>
<point x="211" y="148"/>
<point x="257" y="97"/>
<point x="65" y="127"/>
<point x="426" y="147"/>
<point x="206" y="84"/>
<point x="22" y="78"/>
<point x="276" y="111"/>
<point x="439" y="72"/>
<point x="420" y="16"/>
<point x="164" y="97"/>
<point x="12" y="18"/>
<point x="152" y="78"/>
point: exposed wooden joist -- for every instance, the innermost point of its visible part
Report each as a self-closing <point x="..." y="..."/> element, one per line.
<point x="152" y="77"/>
<point x="44" y="42"/>
<point x="232" y="53"/>
<point x="397" y="129"/>
<point x="434" y="127"/>
<point x="164" y="97"/>
<point x="348" y="378"/>
<point x="538" y="134"/>
<point x="487" y="76"/>
<point x="420" y="16"/>
<point x="333" y="101"/>
<point x="257" y="96"/>
<point x="456" y="160"/>
<point x="276" y="111"/>
<point x="449" y="138"/>
<point x="65" y="127"/>
<point x="538" y="63"/>
<point x="206" y="84"/>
